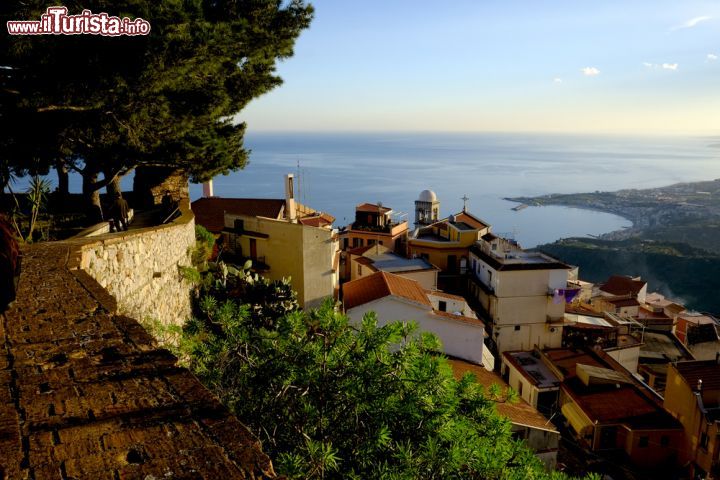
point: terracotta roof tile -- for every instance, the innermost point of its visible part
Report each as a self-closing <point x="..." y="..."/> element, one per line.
<point x="706" y="370"/>
<point x="520" y="412"/>
<point x="210" y="211"/>
<point x="379" y="285"/>
<point x="622" y="285"/>
<point x="471" y="220"/>
<point x="371" y="208"/>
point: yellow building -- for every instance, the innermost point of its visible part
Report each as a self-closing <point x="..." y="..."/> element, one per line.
<point x="446" y="243"/>
<point x="282" y="238"/>
<point x="692" y="395"/>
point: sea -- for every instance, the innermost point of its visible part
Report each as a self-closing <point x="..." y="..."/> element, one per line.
<point x="336" y="171"/>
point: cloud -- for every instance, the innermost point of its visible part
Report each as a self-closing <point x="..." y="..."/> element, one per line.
<point x="557" y="80"/>
<point x="648" y="64"/>
<point x="670" y="66"/>
<point x="590" y="71"/>
<point x="664" y="66"/>
<point x="711" y="57"/>
<point x="691" y="23"/>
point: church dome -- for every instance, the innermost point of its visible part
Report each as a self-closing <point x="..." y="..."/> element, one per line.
<point x="427" y="196"/>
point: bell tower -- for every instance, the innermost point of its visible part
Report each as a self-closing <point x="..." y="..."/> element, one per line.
<point x="427" y="209"/>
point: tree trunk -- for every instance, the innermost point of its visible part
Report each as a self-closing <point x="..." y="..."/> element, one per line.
<point x="92" y="197"/>
<point x="63" y="179"/>
<point x="113" y="187"/>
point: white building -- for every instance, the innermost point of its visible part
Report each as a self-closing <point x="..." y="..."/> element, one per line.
<point x="395" y="298"/>
<point x="522" y="293"/>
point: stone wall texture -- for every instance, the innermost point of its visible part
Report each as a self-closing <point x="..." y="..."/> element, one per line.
<point x="86" y="393"/>
<point x="140" y="269"/>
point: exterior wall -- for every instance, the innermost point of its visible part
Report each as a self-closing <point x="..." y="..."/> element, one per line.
<point x="519" y="304"/>
<point x="452" y="305"/>
<point x="627" y="357"/>
<point x="654" y="454"/>
<point x="544" y="443"/>
<point x="526" y="336"/>
<point x="437" y="253"/>
<point x="140" y="269"/>
<point x="517" y="381"/>
<point x="426" y="278"/>
<point x="681" y="401"/>
<point x="395" y="240"/>
<point x="459" y="339"/>
<point x="302" y="253"/>
<point x="320" y="280"/>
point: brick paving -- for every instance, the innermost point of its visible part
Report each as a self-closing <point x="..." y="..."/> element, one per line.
<point x="87" y="394"/>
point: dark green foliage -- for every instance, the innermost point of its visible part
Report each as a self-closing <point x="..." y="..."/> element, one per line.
<point x="333" y="400"/>
<point x="168" y="98"/>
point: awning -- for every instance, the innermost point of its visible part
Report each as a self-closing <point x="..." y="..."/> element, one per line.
<point x="576" y="418"/>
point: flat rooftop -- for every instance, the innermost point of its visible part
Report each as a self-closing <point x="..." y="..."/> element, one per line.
<point x="393" y="263"/>
<point x="533" y="369"/>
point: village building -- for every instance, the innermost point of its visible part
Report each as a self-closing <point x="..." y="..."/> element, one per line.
<point x="607" y="409"/>
<point x="699" y="333"/>
<point x="363" y="261"/>
<point x="282" y="238"/>
<point x="375" y="224"/>
<point x="446" y="243"/>
<point x="528" y="425"/>
<point x="522" y="294"/>
<point x="393" y="297"/>
<point x="692" y="395"/>
<point x="659" y="349"/>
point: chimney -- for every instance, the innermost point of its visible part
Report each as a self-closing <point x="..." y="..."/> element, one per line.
<point x="208" y="189"/>
<point x="290" y="210"/>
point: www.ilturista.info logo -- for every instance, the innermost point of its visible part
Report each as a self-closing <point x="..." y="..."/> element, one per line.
<point x="56" y="21"/>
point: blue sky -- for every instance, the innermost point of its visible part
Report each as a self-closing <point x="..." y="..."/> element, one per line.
<point x="650" y="66"/>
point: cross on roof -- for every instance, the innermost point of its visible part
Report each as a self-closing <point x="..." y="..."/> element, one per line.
<point x="464" y="199"/>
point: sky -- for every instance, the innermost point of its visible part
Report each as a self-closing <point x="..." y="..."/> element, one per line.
<point x="610" y="66"/>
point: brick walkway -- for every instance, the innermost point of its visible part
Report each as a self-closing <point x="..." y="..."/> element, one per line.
<point x="86" y="394"/>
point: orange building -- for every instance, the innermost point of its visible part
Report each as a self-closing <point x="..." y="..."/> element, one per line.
<point x="374" y="224"/>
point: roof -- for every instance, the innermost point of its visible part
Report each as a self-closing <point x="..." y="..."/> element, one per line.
<point x="519" y="413"/>
<point x="489" y="237"/>
<point x="440" y="293"/>
<point x="629" y="403"/>
<point x="622" y="285"/>
<point x="371" y="208"/>
<point x="380" y="285"/>
<point x="460" y="318"/>
<point x="210" y="211"/>
<point x="663" y="347"/>
<point x="471" y="220"/>
<point x="625" y="302"/>
<point x="532" y="368"/>
<point x="706" y="370"/>
<point x="698" y="319"/>
<point x="531" y="261"/>
<point x="317" y="220"/>
<point x="427" y="196"/>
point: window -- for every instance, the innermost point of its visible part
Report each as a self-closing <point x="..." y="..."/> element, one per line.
<point x="346" y="242"/>
<point x="664" y="441"/>
<point x="380" y="242"/>
<point x="644" y="441"/>
<point x="493" y="247"/>
<point x="519" y="388"/>
<point x="357" y="242"/>
<point x="704" y="441"/>
<point x="239" y="226"/>
<point x="517" y="328"/>
<point x="442" y="306"/>
<point x="371" y="242"/>
<point x="425" y="256"/>
<point x="359" y="270"/>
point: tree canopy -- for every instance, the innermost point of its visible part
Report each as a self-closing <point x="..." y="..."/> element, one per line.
<point x="330" y="399"/>
<point x="170" y="98"/>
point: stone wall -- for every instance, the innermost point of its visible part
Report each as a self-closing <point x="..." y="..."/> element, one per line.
<point x="140" y="268"/>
